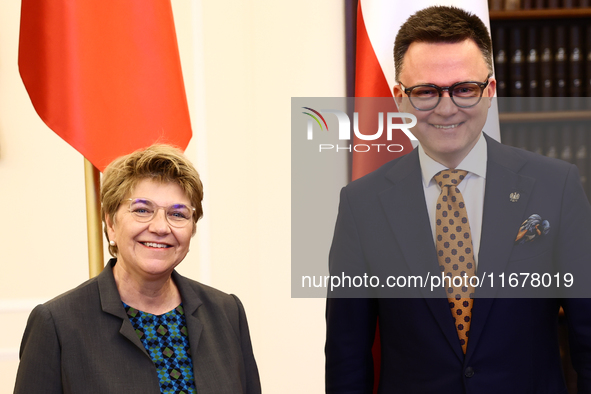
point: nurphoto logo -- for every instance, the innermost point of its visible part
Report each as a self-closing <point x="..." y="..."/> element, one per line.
<point x="344" y="129"/>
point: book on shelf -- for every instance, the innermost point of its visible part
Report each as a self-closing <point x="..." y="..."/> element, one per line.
<point x="512" y="5"/>
<point x="507" y="134"/>
<point x="500" y="59"/>
<point x="575" y="75"/>
<point x="522" y="140"/>
<point x="581" y="139"/>
<point x="550" y="141"/>
<point x="496" y="5"/>
<point x="532" y="66"/>
<point x="560" y="62"/>
<point x="568" y="3"/>
<point x="516" y="68"/>
<point x="546" y="63"/>
<point x="553" y="4"/>
<point x="536" y="137"/>
<point x="566" y="148"/>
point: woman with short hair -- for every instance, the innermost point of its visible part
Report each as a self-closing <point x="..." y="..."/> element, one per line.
<point x="139" y="326"/>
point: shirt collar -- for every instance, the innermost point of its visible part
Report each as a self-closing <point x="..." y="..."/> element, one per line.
<point x="474" y="162"/>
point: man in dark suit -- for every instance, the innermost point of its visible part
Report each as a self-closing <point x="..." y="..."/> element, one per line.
<point x="503" y="211"/>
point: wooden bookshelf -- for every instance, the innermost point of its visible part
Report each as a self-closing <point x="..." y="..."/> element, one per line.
<point x="556" y="13"/>
<point x="521" y="117"/>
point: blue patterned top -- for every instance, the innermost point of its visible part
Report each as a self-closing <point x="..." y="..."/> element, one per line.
<point x="166" y="341"/>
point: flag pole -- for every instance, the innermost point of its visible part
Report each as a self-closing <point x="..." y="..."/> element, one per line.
<point x="93" y="219"/>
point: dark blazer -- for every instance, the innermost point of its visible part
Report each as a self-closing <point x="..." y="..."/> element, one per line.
<point x="83" y="342"/>
<point x="383" y="227"/>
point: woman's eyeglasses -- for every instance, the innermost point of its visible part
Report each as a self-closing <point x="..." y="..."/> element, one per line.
<point x="143" y="210"/>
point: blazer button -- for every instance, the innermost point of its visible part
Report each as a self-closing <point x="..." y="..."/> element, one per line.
<point x="469" y="372"/>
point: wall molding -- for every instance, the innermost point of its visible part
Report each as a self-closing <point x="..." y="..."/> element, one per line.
<point x="8" y="354"/>
<point x="16" y="305"/>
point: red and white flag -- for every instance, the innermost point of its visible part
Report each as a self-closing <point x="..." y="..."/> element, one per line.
<point x="105" y="75"/>
<point x="378" y="22"/>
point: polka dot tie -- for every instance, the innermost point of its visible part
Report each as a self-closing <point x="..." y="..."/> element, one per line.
<point x="454" y="250"/>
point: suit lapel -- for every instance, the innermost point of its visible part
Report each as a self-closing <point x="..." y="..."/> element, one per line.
<point x="202" y="366"/>
<point x="500" y="223"/>
<point x="111" y="303"/>
<point x="191" y="303"/>
<point x="405" y="208"/>
<point x="412" y="231"/>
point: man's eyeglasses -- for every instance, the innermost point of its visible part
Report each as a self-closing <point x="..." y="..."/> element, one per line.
<point x="463" y="94"/>
<point x="143" y="210"/>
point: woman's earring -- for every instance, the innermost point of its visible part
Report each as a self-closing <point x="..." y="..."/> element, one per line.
<point x="112" y="243"/>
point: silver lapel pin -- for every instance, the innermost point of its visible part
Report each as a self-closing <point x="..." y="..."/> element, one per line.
<point x="514" y="197"/>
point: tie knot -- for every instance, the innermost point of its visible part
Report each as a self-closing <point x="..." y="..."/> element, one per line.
<point x="450" y="177"/>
